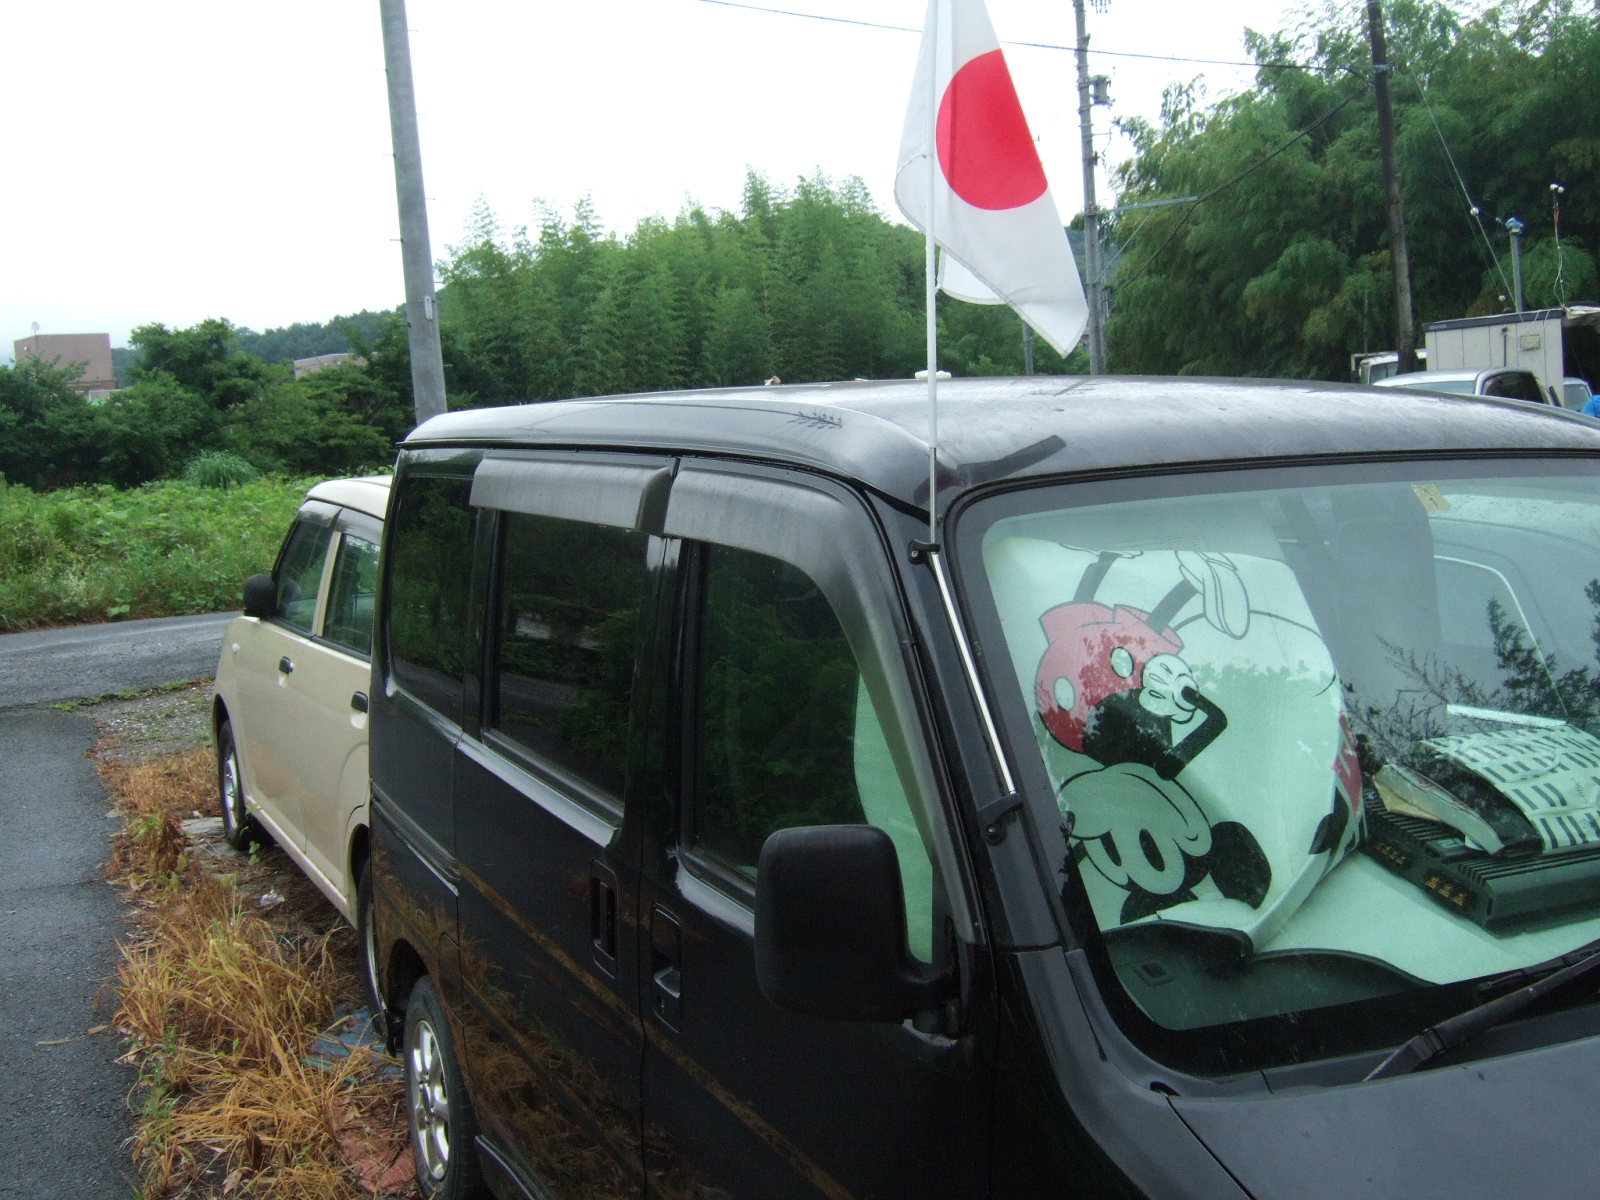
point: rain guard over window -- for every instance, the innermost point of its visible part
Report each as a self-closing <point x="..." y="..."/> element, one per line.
<point x="1341" y="728"/>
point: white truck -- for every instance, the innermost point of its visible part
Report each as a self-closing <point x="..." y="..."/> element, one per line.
<point x="1554" y="343"/>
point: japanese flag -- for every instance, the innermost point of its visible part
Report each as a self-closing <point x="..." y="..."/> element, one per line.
<point x="986" y="196"/>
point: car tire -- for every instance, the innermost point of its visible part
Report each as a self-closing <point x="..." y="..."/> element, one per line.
<point x="438" y="1111"/>
<point x="367" y="951"/>
<point x="238" y="827"/>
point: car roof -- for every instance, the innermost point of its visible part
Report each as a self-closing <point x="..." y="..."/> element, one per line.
<point x="366" y="493"/>
<point x="876" y="432"/>
<point x="1418" y="378"/>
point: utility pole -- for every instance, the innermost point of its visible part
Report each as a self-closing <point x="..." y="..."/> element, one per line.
<point x="1514" y="227"/>
<point x="1405" y="331"/>
<point x="1091" y="216"/>
<point x="422" y="313"/>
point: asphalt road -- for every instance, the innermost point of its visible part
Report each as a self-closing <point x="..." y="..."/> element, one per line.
<point x="96" y="660"/>
<point x="63" y="1105"/>
<point x="63" y="1111"/>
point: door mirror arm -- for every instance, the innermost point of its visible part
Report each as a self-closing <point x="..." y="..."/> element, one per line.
<point x="831" y="929"/>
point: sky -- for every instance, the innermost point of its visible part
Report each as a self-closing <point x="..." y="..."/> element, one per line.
<point x="174" y="160"/>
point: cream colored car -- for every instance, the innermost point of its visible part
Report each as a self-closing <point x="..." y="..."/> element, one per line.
<point x="290" y="712"/>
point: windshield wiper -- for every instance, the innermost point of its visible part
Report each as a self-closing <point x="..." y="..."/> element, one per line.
<point x="1450" y="1033"/>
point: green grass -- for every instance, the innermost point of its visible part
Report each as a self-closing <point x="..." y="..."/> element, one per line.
<point x="167" y="549"/>
<point x="161" y="689"/>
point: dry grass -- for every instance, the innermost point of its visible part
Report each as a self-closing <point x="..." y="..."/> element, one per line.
<point x="221" y="1002"/>
<point x="153" y="798"/>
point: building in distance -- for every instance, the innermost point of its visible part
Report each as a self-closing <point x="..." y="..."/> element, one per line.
<point x="91" y="351"/>
<point x="321" y="362"/>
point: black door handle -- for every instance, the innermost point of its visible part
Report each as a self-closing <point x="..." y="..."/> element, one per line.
<point x="358" y="701"/>
<point x="666" y="967"/>
<point x="285" y="665"/>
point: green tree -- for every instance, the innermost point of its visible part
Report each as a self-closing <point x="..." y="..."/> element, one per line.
<point x="1283" y="267"/>
<point x="307" y="339"/>
<point x="331" y="423"/>
<point x="204" y="359"/>
<point x="738" y="343"/>
<point x="809" y="284"/>
<point x="48" y="435"/>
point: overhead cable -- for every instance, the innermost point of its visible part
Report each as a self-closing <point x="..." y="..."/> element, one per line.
<point x="1216" y="62"/>
<point x="1222" y="187"/>
<point x="1472" y="207"/>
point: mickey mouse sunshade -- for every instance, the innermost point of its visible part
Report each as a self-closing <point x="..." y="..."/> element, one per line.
<point x="1189" y="715"/>
<point x="1216" y="768"/>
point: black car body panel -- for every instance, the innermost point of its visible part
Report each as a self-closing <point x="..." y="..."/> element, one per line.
<point x="1489" y="1127"/>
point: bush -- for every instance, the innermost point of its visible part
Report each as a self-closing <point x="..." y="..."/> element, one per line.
<point x="219" y="469"/>
<point x="166" y="549"/>
<point x="148" y="429"/>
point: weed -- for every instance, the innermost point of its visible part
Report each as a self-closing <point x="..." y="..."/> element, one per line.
<point x="166" y="549"/>
<point x="219" y="469"/>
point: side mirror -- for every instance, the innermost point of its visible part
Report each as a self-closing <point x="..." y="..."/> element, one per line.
<point x="831" y="927"/>
<point x="260" y="596"/>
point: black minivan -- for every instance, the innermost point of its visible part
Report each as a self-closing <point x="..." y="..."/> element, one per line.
<point x="1210" y="809"/>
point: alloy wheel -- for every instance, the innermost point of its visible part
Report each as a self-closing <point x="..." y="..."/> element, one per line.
<point x="430" y="1102"/>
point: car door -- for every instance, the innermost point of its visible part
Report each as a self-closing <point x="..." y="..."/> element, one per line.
<point x="334" y="677"/>
<point x="425" y="650"/>
<point x="269" y="721"/>
<point x="794" y="705"/>
<point x="549" y="866"/>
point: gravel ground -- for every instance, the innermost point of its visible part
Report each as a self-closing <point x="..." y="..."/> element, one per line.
<point x="145" y="727"/>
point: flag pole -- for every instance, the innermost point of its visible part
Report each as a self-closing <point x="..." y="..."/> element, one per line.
<point x="932" y="283"/>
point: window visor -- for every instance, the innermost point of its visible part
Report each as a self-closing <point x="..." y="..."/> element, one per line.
<point x="625" y="492"/>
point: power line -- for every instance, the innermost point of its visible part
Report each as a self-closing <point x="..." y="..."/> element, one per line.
<point x="1222" y="187"/>
<point x="1216" y="62"/>
<point x="1472" y="208"/>
<point x="783" y="12"/>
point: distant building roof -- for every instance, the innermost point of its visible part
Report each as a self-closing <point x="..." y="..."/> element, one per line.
<point x="321" y="362"/>
<point x="92" y="350"/>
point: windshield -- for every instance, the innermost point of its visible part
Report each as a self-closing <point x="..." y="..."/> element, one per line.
<point x="1460" y="387"/>
<point x="1318" y="737"/>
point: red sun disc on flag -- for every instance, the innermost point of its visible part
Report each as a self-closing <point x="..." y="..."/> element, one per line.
<point x="985" y="150"/>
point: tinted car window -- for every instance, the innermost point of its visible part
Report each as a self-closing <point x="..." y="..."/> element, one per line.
<point x="569" y="618"/>
<point x="1514" y="385"/>
<point x="355" y="580"/>
<point x="788" y="735"/>
<point x="430" y="578"/>
<point x="300" y="574"/>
